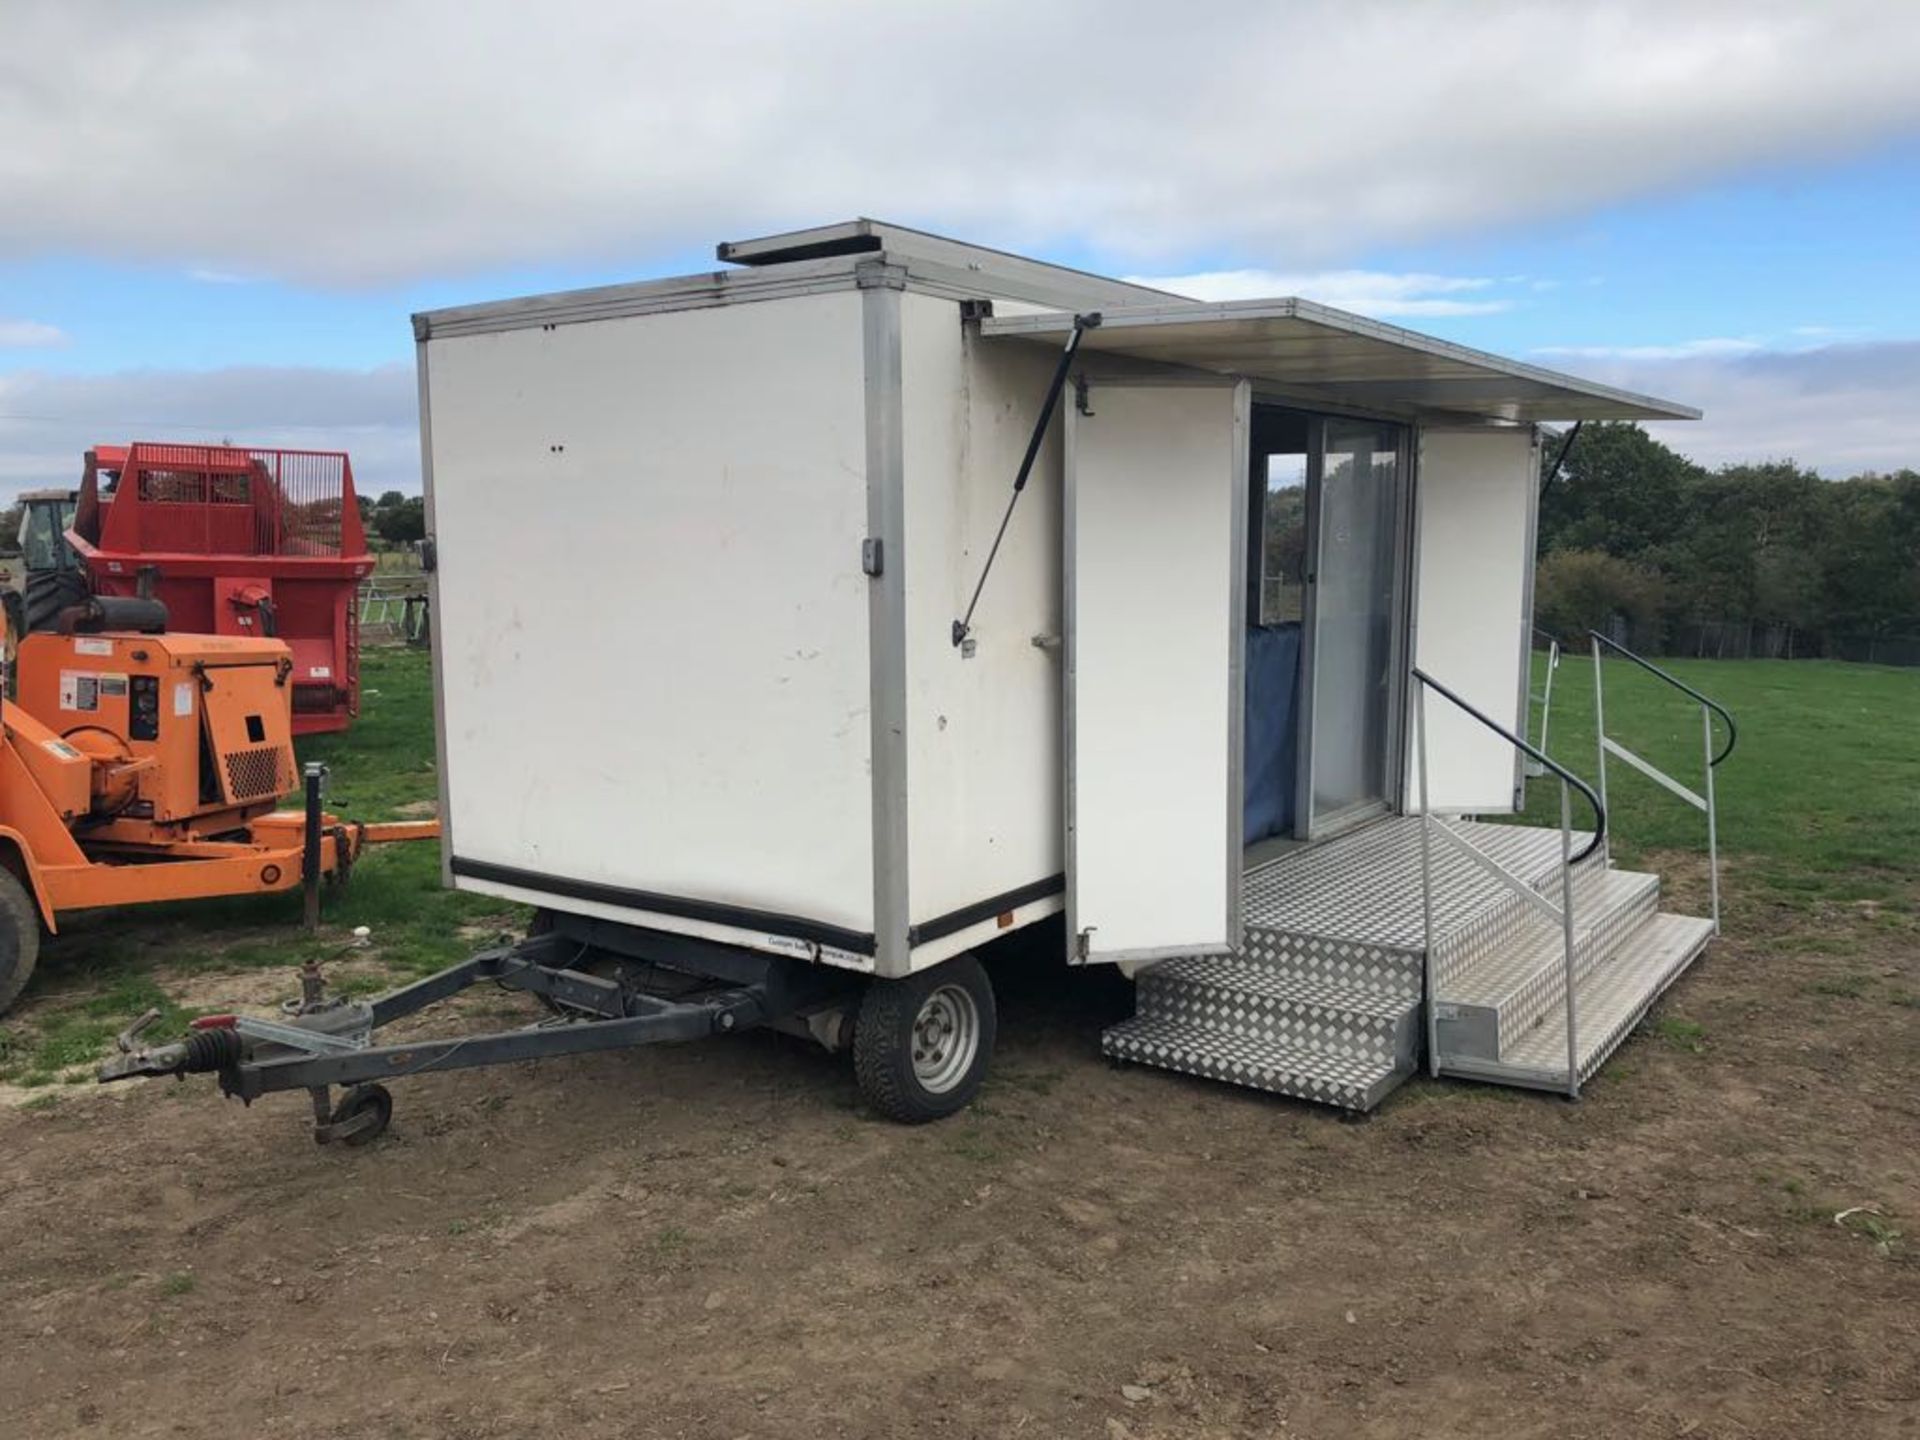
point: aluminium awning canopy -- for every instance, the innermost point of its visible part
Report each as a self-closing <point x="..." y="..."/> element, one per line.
<point x="1318" y="352"/>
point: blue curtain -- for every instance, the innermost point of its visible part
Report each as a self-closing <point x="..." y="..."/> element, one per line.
<point x="1272" y="722"/>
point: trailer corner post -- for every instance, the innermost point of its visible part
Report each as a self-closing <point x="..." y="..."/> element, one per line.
<point x="886" y="548"/>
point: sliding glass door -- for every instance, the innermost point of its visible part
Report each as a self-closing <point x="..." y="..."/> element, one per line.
<point x="1353" y="612"/>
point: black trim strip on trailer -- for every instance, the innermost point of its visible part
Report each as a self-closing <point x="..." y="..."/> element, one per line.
<point x="712" y="911"/>
<point x="956" y="920"/>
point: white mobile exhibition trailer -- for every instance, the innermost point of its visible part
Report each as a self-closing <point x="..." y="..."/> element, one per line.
<point x="742" y="638"/>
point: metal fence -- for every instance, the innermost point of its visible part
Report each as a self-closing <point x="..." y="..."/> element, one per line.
<point x="1752" y="640"/>
<point x="392" y="610"/>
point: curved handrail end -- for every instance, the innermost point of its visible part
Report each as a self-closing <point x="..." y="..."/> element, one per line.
<point x="1733" y="730"/>
<point x="1526" y="748"/>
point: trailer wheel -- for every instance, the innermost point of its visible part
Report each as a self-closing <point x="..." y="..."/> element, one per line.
<point x="373" y="1101"/>
<point x="19" y="939"/>
<point x="921" y="1044"/>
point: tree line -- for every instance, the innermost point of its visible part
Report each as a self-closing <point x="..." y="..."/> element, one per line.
<point x="1637" y="540"/>
<point x="398" y="519"/>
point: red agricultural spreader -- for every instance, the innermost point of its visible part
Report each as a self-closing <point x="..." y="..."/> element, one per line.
<point x="237" y="542"/>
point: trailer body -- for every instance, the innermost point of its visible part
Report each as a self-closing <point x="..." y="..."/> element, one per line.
<point x="801" y="626"/>
<point x="703" y="541"/>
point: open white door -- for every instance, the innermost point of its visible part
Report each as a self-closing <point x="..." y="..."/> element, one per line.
<point x="1476" y="499"/>
<point x="1155" y="495"/>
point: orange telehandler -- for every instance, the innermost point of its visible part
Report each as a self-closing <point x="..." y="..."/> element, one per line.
<point x="139" y="766"/>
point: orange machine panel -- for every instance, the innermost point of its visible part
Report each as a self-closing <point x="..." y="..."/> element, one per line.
<point x="210" y="715"/>
<point x="59" y="771"/>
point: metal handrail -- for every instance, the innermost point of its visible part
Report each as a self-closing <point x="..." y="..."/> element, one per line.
<point x="1545" y="697"/>
<point x="1706" y="804"/>
<point x="1733" y="733"/>
<point x="1569" y="782"/>
<point x="1592" y="796"/>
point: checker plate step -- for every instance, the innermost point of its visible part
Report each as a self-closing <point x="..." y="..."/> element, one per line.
<point x="1323" y="1000"/>
<point x="1352" y="1084"/>
<point x="1244" y="997"/>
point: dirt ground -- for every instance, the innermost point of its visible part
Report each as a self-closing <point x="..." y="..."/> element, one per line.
<point x="719" y="1241"/>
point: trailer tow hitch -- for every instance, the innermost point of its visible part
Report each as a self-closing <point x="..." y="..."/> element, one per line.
<point x="222" y="1044"/>
<point x="203" y="1051"/>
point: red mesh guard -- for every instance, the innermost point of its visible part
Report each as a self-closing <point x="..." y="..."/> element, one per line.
<point x="225" y="500"/>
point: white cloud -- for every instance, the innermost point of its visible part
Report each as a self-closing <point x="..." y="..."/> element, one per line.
<point x="29" y="335"/>
<point x="413" y="138"/>
<point x="1684" y="350"/>
<point x="1365" y="292"/>
<point x="47" y="421"/>
<point x="1839" y="408"/>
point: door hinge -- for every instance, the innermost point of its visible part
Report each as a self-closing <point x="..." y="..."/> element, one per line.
<point x="873" y="555"/>
<point x="1083" y="944"/>
<point x="1080" y="396"/>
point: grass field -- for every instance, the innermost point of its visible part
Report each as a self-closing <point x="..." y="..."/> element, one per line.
<point x="1821" y="795"/>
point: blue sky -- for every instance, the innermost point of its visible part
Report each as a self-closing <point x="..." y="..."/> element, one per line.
<point x="1659" y="195"/>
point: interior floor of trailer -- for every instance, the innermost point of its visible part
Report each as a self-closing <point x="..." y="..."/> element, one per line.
<point x="1326" y="997"/>
<point x="1265" y="852"/>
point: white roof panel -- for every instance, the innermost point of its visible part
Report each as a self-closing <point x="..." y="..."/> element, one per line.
<point x="1339" y="357"/>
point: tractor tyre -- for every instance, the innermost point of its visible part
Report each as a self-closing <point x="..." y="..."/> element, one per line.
<point x="19" y="939"/>
<point x="48" y="593"/>
<point x="921" y="1044"/>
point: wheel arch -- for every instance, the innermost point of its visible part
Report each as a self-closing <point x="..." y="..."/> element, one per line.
<point x="16" y="857"/>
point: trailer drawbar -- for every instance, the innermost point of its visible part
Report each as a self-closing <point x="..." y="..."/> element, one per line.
<point x="605" y="987"/>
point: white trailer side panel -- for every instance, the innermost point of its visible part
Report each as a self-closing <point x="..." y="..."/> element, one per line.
<point x="1476" y="496"/>
<point x="1156" y="488"/>
<point x="983" y="766"/>
<point x="652" y="614"/>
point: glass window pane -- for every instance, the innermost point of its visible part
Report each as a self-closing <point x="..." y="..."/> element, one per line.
<point x="1353" y="614"/>
<point x="1284" y="540"/>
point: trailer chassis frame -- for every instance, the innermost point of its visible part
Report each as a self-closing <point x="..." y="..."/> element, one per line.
<point x="325" y="1042"/>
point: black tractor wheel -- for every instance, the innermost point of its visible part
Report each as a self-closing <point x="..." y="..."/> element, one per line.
<point x="19" y="939"/>
<point x="375" y="1102"/>
<point x="921" y="1044"/>
<point x="49" y="592"/>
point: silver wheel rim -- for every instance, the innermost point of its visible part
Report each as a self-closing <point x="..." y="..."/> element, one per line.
<point x="945" y="1039"/>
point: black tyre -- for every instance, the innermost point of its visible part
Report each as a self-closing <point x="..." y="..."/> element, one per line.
<point x="19" y="939"/>
<point x="51" y="591"/>
<point x="921" y="1045"/>
<point x="373" y="1101"/>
